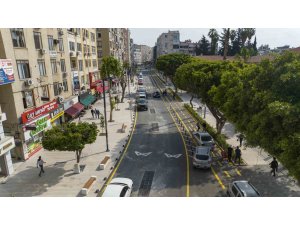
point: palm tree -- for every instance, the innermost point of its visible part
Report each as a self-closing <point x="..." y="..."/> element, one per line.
<point x="214" y="38"/>
<point x="250" y="34"/>
<point x="226" y="42"/>
<point x="244" y="36"/>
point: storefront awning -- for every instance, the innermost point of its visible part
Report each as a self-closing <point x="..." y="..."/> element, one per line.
<point x="89" y="99"/>
<point x="74" y="110"/>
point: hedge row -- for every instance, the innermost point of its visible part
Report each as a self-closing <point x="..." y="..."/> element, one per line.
<point x="219" y="138"/>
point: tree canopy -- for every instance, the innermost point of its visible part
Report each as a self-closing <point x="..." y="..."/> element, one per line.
<point x="70" y="137"/>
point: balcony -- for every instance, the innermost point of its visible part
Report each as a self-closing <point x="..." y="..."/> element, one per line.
<point x="53" y="54"/>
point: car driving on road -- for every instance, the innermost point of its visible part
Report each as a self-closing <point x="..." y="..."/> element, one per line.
<point x="202" y="157"/>
<point x="156" y="94"/>
<point x="141" y="104"/>
<point x="118" y="187"/>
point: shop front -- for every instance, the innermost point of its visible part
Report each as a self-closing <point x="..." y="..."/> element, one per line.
<point x="35" y="122"/>
<point x="57" y="116"/>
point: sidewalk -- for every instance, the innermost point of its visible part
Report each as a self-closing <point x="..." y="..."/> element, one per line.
<point x="254" y="157"/>
<point x="59" y="179"/>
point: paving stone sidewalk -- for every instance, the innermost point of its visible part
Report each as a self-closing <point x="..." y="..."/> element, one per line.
<point x="59" y="179"/>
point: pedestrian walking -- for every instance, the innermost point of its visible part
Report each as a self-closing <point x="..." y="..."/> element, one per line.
<point x="238" y="154"/>
<point x="40" y="163"/>
<point x="274" y="166"/>
<point x="229" y="153"/>
<point x="97" y="112"/>
<point x="93" y="112"/>
<point x="204" y="126"/>
<point x="174" y="95"/>
<point x="240" y="139"/>
<point x="198" y="126"/>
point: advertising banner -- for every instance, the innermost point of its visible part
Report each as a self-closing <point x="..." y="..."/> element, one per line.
<point x="40" y="125"/>
<point x="6" y="71"/>
<point x="39" y="111"/>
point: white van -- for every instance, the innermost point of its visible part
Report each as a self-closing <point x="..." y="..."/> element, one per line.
<point x="202" y="157"/>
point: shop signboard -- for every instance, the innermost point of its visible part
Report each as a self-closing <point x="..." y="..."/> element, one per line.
<point x="41" y="124"/>
<point x="39" y="111"/>
<point x="6" y="71"/>
<point x="68" y="103"/>
<point x="56" y="114"/>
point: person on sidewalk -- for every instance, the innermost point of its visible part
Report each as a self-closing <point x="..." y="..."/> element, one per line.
<point x="241" y="138"/>
<point x="238" y="154"/>
<point x="40" y="163"/>
<point x="204" y="126"/>
<point x="93" y="113"/>
<point x="174" y="95"/>
<point x="274" y="166"/>
<point x="229" y="153"/>
<point x="97" y="113"/>
<point x="198" y="126"/>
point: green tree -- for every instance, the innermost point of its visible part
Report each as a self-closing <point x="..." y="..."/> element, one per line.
<point x="110" y="68"/>
<point x="70" y="137"/>
<point x="168" y="64"/>
<point x="123" y="78"/>
<point x="225" y="42"/>
<point x="203" y="46"/>
<point x="214" y="38"/>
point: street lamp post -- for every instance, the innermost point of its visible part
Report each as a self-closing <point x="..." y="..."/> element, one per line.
<point x="105" y="118"/>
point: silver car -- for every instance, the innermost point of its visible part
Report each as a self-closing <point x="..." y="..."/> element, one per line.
<point x="202" y="157"/>
<point x="118" y="187"/>
<point x="204" y="139"/>
<point x="242" y="188"/>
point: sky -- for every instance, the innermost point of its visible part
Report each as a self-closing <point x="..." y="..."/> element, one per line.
<point x="274" y="37"/>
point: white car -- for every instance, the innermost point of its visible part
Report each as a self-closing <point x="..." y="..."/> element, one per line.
<point x="204" y="139"/>
<point x="202" y="157"/>
<point x="118" y="187"/>
<point x="242" y="188"/>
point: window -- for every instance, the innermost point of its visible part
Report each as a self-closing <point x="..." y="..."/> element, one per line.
<point x="86" y="34"/>
<point x="45" y="91"/>
<point x="99" y="53"/>
<point x="94" y="50"/>
<point x="50" y="43"/>
<point x="99" y="35"/>
<point x="42" y="67"/>
<point x="73" y="65"/>
<point x="79" y="47"/>
<point x="88" y="49"/>
<point x="166" y="35"/>
<point x="234" y="190"/>
<point x="90" y="62"/>
<point x="28" y="99"/>
<point x="92" y="37"/>
<point x="37" y="40"/>
<point x="56" y="88"/>
<point x="18" y="38"/>
<point x="65" y="84"/>
<point x="62" y="65"/>
<point x="72" y="46"/>
<point x="77" y="31"/>
<point x="80" y="65"/>
<point x="60" y="45"/>
<point x="166" y="45"/>
<point x="86" y="63"/>
<point x="99" y="44"/>
<point x="94" y="63"/>
<point x="82" y="80"/>
<point x="23" y="69"/>
<point x="84" y="48"/>
<point x="53" y="66"/>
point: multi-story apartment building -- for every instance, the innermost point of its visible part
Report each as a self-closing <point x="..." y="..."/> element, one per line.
<point x="137" y="54"/>
<point x="168" y="43"/>
<point x="188" y="47"/>
<point x="147" y="54"/>
<point x="113" y="42"/>
<point x="47" y="76"/>
<point x="141" y="54"/>
<point x="83" y="57"/>
<point x="33" y="102"/>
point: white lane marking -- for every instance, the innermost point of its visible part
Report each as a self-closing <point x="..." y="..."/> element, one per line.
<point x="173" y="156"/>
<point x="143" y="154"/>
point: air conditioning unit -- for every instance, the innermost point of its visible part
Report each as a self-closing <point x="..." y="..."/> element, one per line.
<point x="60" y="32"/>
<point x="78" y="53"/>
<point x="55" y="41"/>
<point x="42" y="51"/>
<point x="60" y="99"/>
<point x="28" y="82"/>
<point x="65" y="74"/>
<point x="88" y="54"/>
<point x="75" y="33"/>
<point x="71" y="53"/>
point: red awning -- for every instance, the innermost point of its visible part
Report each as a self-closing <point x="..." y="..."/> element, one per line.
<point x="74" y="110"/>
<point x="99" y="88"/>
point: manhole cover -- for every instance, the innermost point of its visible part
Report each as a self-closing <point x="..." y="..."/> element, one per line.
<point x="152" y="110"/>
<point x="154" y="127"/>
<point x="146" y="183"/>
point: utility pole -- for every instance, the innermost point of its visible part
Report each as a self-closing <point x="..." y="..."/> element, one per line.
<point x="105" y="118"/>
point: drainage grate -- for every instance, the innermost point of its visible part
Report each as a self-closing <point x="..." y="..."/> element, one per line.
<point x="146" y="183"/>
<point x="152" y="110"/>
<point x="154" y="127"/>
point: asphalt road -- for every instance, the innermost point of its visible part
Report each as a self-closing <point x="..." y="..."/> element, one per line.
<point x="155" y="159"/>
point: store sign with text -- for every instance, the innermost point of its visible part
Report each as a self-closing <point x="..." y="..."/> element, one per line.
<point x="40" y="124"/>
<point x="39" y="111"/>
<point x="56" y="114"/>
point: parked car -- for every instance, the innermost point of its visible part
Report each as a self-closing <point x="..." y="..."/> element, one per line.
<point x="142" y="104"/>
<point x="242" y="188"/>
<point x="202" y="157"/>
<point x="204" y="139"/>
<point x="156" y="94"/>
<point x="141" y="95"/>
<point x="118" y="187"/>
<point x="140" y="82"/>
<point x="142" y="89"/>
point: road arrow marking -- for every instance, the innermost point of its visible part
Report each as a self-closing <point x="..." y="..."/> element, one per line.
<point x="173" y="156"/>
<point x="142" y="154"/>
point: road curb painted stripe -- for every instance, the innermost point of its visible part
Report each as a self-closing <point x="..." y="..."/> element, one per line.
<point x="217" y="177"/>
<point x="120" y="160"/>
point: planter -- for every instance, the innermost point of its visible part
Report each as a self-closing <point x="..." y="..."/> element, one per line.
<point x="76" y="168"/>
